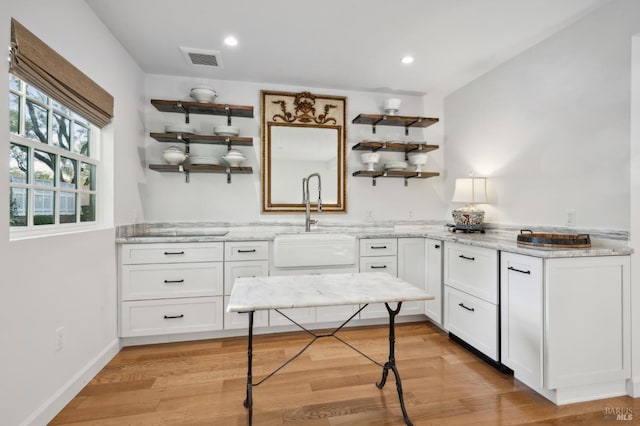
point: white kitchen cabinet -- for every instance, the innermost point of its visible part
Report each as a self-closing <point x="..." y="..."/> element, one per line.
<point x="433" y="279"/>
<point x="170" y="288"/>
<point x="378" y="255"/>
<point x="566" y="324"/>
<point x="411" y="268"/>
<point x="521" y="306"/>
<point x="471" y="296"/>
<point x="473" y="270"/>
<point x="244" y="259"/>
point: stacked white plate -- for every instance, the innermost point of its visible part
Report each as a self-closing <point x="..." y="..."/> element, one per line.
<point x="200" y="153"/>
<point x="226" y="131"/>
<point x="395" y="165"/>
<point x="178" y="128"/>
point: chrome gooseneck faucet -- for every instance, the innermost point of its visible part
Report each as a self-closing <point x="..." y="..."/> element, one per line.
<point x="305" y="199"/>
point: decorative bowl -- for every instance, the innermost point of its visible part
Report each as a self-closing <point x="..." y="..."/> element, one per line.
<point x="226" y="131"/>
<point x="174" y="155"/>
<point x="370" y="159"/>
<point x="204" y="94"/>
<point x="234" y="158"/>
<point x="418" y="160"/>
<point x="392" y="105"/>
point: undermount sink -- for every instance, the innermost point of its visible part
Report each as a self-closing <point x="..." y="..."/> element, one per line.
<point x="304" y="250"/>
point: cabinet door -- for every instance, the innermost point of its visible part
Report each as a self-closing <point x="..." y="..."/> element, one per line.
<point x="521" y="316"/>
<point x="411" y="268"/>
<point x="233" y="270"/>
<point x="473" y="270"/>
<point x="433" y="285"/>
<point x="473" y="320"/>
<point x="587" y="320"/>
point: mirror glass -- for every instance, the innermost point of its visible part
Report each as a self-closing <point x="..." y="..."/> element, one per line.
<point x="302" y="134"/>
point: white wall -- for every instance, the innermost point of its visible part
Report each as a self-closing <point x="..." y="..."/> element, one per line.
<point x="69" y="280"/>
<point x="550" y="128"/>
<point x="166" y="197"/>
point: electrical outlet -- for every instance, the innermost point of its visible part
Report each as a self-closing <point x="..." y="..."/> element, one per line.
<point x="59" y="342"/>
<point x="571" y="217"/>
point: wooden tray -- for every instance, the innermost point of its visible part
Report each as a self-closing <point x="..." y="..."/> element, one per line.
<point x="530" y="238"/>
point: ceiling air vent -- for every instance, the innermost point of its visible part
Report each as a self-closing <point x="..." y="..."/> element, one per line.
<point x="201" y="57"/>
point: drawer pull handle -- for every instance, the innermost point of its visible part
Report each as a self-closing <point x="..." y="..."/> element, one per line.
<point x="173" y="252"/>
<point x="173" y="281"/>
<point x="378" y="247"/>
<point x="378" y="267"/>
<point x="173" y="316"/>
<point x="462" y="256"/>
<point x="466" y="307"/>
<point x="247" y="251"/>
<point x="511" y="268"/>
<point x="436" y="246"/>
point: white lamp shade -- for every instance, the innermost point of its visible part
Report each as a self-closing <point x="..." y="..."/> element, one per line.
<point x="470" y="190"/>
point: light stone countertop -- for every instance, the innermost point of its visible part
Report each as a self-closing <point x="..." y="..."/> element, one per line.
<point x="603" y="243"/>
<point x="303" y="291"/>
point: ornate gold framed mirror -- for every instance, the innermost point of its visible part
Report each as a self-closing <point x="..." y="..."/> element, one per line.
<point x="302" y="134"/>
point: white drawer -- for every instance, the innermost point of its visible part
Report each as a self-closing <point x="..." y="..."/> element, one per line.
<point x="378" y="247"/>
<point x="473" y="270"/>
<point x="246" y="250"/>
<point x="151" y="317"/>
<point x="172" y="253"/>
<point x="240" y="320"/>
<point x="233" y="270"/>
<point x="171" y="280"/>
<point x="387" y="264"/>
<point x="473" y="320"/>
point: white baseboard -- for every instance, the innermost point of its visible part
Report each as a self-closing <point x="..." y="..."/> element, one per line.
<point x="633" y="387"/>
<point x="51" y="407"/>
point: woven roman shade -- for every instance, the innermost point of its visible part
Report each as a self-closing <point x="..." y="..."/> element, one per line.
<point x="37" y="64"/>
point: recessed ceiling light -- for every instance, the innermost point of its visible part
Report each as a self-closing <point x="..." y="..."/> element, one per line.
<point x="407" y="59"/>
<point x="231" y="41"/>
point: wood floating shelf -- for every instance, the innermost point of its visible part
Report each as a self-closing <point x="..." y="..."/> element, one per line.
<point x="203" y="139"/>
<point x="187" y="107"/>
<point x="200" y="168"/>
<point x="393" y="146"/>
<point x="394" y="120"/>
<point x="406" y="174"/>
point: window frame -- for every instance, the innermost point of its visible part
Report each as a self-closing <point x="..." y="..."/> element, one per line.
<point x="94" y="159"/>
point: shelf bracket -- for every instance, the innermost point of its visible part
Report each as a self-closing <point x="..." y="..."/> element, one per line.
<point x="186" y="173"/>
<point x="373" y="125"/>
<point x="228" y="141"/>
<point x="373" y="181"/>
<point x="228" y="171"/>
<point x="406" y="126"/>
<point x="227" y="108"/>
<point x="186" y="112"/>
<point x="406" y="181"/>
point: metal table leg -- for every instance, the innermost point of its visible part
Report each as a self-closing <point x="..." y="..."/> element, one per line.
<point x="248" y="402"/>
<point x="391" y="363"/>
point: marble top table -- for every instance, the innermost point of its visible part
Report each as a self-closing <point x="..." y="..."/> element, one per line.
<point x="252" y="294"/>
<point x="301" y="291"/>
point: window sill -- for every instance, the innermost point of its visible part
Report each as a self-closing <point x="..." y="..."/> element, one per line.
<point x="44" y="231"/>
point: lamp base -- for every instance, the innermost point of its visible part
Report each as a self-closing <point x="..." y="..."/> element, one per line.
<point x="468" y="219"/>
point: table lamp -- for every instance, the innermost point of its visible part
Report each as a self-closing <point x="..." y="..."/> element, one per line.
<point x="470" y="191"/>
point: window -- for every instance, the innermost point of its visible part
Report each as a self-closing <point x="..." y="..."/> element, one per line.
<point x="53" y="162"/>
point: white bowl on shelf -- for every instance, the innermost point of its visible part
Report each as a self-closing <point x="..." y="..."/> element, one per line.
<point x="418" y="160"/>
<point x="370" y="159"/>
<point x="204" y="94"/>
<point x="234" y="158"/>
<point x="226" y="131"/>
<point x="392" y="105"/>
<point x="174" y="155"/>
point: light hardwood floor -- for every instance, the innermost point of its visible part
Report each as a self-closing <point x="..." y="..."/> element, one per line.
<point x="203" y="383"/>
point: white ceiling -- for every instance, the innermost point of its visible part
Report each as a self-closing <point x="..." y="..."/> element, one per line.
<point x="344" y="44"/>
